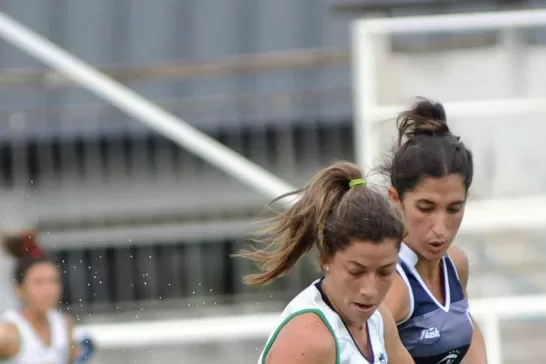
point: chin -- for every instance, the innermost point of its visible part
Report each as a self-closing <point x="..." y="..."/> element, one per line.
<point x="364" y="316"/>
<point x="45" y="309"/>
<point x="433" y="256"/>
<point x="428" y="254"/>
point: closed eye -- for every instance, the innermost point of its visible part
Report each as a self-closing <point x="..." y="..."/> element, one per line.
<point x="355" y="273"/>
<point x="426" y="210"/>
<point x="386" y="272"/>
<point x="453" y="209"/>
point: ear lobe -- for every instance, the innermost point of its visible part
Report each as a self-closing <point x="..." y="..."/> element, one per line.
<point x="325" y="264"/>
<point x="393" y="194"/>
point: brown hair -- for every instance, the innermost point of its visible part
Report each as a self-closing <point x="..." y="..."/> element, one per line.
<point x="426" y="147"/>
<point x="329" y="214"/>
<point x="24" y="247"/>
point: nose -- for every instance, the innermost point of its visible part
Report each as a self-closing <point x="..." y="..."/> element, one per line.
<point x="368" y="286"/>
<point x="439" y="227"/>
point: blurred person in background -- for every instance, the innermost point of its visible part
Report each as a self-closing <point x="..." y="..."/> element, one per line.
<point x="338" y="318"/>
<point x="36" y="332"/>
<point x="430" y="173"/>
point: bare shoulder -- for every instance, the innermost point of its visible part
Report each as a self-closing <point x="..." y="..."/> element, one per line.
<point x="397" y="300"/>
<point x="8" y="330"/>
<point x="460" y="260"/>
<point x="304" y="339"/>
<point x="9" y="340"/>
<point x="389" y="323"/>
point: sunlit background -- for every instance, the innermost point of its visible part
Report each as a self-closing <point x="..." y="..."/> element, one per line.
<point x="143" y="229"/>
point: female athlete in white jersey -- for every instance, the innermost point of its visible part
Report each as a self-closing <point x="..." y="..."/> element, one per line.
<point x="338" y="319"/>
<point x="35" y="333"/>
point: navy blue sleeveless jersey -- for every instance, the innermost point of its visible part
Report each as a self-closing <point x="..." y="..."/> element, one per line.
<point x="434" y="333"/>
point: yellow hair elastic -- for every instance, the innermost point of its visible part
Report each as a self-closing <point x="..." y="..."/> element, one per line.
<point x="358" y="182"/>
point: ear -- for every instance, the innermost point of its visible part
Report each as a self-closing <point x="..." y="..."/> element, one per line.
<point x="393" y="195"/>
<point x="325" y="264"/>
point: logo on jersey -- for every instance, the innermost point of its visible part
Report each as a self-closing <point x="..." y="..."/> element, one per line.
<point x="428" y="334"/>
<point x="451" y="357"/>
<point x="382" y="359"/>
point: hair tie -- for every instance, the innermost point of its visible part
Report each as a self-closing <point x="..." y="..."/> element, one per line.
<point x="30" y="247"/>
<point x="357" y="182"/>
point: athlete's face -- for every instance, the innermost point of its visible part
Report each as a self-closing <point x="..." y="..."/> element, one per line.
<point x="41" y="287"/>
<point x="433" y="212"/>
<point x="358" y="278"/>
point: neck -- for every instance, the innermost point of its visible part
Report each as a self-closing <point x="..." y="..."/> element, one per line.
<point x="429" y="270"/>
<point x="35" y="318"/>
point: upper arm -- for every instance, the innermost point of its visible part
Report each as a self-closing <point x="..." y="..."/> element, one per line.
<point x="398" y="299"/>
<point x="460" y="260"/>
<point x="9" y="340"/>
<point x="305" y="339"/>
<point x="396" y="351"/>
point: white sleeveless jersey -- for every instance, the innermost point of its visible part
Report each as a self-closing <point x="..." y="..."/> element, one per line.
<point x="32" y="350"/>
<point x="310" y="301"/>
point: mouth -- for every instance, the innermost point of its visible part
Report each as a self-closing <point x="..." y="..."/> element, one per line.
<point x="436" y="245"/>
<point x="364" y="308"/>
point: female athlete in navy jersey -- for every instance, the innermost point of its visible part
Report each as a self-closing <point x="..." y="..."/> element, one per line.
<point x="431" y="173"/>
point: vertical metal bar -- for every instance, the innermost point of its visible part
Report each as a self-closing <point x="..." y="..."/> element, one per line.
<point x="365" y="94"/>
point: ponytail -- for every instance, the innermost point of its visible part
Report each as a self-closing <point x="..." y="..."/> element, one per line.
<point x="24" y="247"/>
<point x="321" y="218"/>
